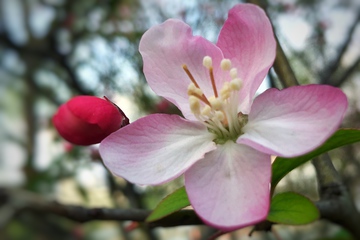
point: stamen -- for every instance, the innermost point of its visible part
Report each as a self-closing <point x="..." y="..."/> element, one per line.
<point x="193" y="90"/>
<point x="207" y="62"/>
<point x="194" y="104"/>
<point x="215" y="103"/>
<point x="218" y="112"/>
<point x="206" y="111"/>
<point x="225" y="64"/>
<point x="233" y="73"/>
<point x="225" y="91"/>
<point x="190" y="75"/>
<point x="220" y="115"/>
<point x="213" y="81"/>
<point x="202" y="98"/>
<point x="219" y="125"/>
<point x="236" y="84"/>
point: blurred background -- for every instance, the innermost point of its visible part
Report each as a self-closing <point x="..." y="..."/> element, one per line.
<point x="52" y="50"/>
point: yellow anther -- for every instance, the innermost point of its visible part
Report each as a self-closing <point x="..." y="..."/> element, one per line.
<point x="236" y="84"/>
<point x="225" y="95"/>
<point x="193" y="90"/>
<point x="233" y="73"/>
<point x="225" y="91"/>
<point x="225" y="64"/>
<point x="215" y="103"/>
<point x="206" y="111"/>
<point x="207" y="62"/>
<point x="194" y="104"/>
<point x="220" y="115"/>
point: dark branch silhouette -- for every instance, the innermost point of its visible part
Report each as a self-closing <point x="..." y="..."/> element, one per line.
<point x="337" y="82"/>
<point x="19" y="201"/>
<point x="333" y="66"/>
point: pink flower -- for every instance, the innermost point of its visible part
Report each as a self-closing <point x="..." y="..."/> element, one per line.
<point x="86" y="120"/>
<point x="224" y="144"/>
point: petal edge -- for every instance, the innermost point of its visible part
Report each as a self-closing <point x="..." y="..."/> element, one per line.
<point x="229" y="188"/>
<point x="247" y="39"/>
<point x="295" y="120"/>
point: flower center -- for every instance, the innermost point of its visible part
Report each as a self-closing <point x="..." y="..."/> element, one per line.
<point x="218" y="112"/>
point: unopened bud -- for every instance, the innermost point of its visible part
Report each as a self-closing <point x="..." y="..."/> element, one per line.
<point x="86" y="120"/>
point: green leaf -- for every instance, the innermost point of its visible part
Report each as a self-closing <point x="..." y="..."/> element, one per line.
<point x="292" y="209"/>
<point x="283" y="166"/>
<point x="170" y="204"/>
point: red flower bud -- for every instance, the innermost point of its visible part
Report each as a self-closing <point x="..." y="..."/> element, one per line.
<point x="86" y="120"/>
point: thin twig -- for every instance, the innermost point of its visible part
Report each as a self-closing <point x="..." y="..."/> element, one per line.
<point x="334" y="64"/>
<point x="337" y="82"/>
<point x="336" y="203"/>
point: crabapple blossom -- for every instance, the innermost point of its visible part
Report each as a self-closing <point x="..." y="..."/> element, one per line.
<point x="224" y="142"/>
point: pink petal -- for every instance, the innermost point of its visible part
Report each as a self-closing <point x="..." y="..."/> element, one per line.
<point x="295" y="120"/>
<point x="248" y="40"/>
<point x="229" y="188"/>
<point x="155" y="149"/>
<point x="165" y="48"/>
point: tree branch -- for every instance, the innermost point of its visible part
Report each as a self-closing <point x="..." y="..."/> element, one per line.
<point x="50" y="53"/>
<point x="14" y="202"/>
<point x="339" y="81"/>
<point x="334" y="65"/>
<point x="336" y="203"/>
<point x="282" y="67"/>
